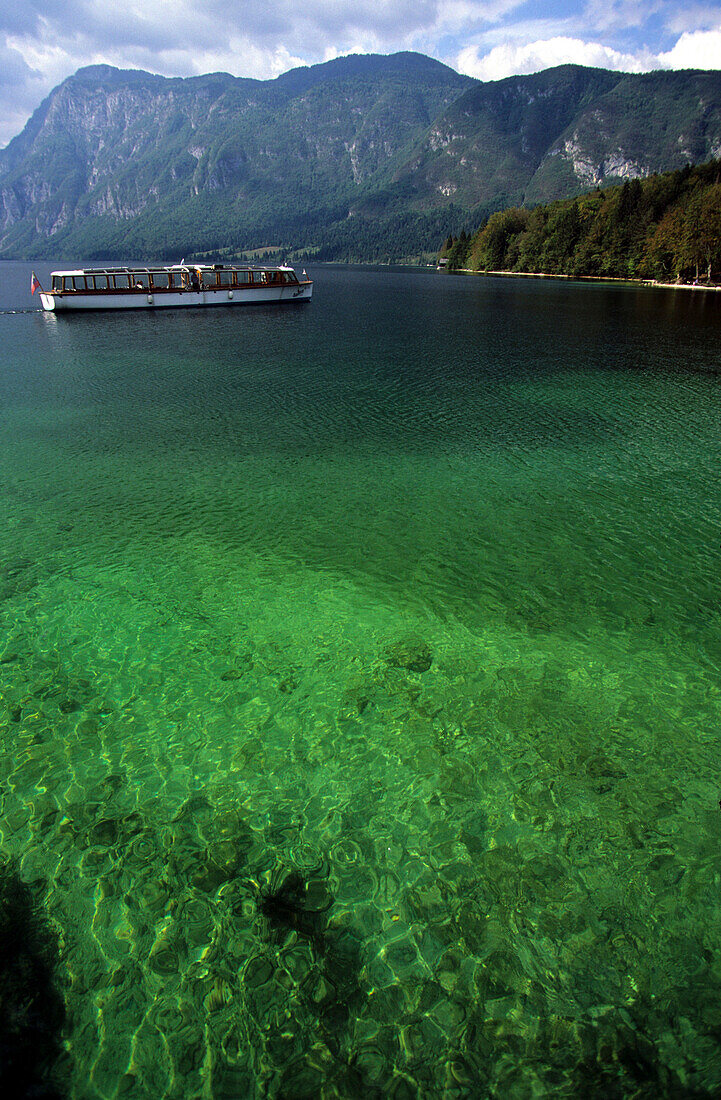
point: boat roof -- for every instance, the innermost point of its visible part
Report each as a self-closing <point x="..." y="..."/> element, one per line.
<point x="171" y="267"/>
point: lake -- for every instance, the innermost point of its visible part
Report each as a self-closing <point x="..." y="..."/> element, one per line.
<point x="360" y="705"/>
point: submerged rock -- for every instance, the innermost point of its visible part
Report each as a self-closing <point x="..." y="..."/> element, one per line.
<point x="298" y="906"/>
<point x="33" y="1011"/>
<point x="412" y="654"/>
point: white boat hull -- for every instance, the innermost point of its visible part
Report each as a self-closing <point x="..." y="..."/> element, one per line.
<point x="164" y="299"/>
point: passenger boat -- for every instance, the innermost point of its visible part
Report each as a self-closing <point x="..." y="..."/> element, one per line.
<point x="179" y="285"/>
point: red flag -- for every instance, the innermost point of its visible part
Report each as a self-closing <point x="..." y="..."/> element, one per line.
<point x="34" y="283"/>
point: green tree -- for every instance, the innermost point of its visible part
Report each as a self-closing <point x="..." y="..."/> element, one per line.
<point x="562" y="232"/>
<point x="664" y="226"/>
<point x="490" y="248"/>
<point x="458" y="256"/>
<point x="703" y="229"/>
<point x="529" y="243"/>
<point x="665" y="252"/>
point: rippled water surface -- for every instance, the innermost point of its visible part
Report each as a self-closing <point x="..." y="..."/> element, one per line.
<point x="360" y="706"/>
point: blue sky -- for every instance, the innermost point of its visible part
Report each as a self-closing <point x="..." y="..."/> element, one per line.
<point x="43" y="42"/>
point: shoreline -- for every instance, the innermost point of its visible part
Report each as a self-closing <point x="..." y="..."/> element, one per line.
<point x="588" y="279"/>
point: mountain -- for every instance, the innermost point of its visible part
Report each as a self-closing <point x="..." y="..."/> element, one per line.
<point x="359" y="157"/>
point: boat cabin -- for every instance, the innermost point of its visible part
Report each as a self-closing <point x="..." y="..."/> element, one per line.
<point x="156" y="280"/>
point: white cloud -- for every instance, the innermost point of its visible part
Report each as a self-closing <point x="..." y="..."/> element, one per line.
<point x="512" y="60"/>
<point x="692" y="17"/>
<point x="44" y="41"/>
<point x="464" y="16"/>
<point x="611" y="16"/>
<point x="694" y="50"/>
<point x="188" y="37"/>
<point x="80" y="26"/>
<point x="21" y="88"/>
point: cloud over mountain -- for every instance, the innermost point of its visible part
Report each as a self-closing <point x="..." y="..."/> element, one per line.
<point x="42" y="43"/>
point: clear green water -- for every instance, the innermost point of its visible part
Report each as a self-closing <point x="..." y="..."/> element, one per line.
<point x="360" y="705"/>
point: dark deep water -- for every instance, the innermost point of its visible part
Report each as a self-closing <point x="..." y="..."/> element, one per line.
<point x="360" y="706"/>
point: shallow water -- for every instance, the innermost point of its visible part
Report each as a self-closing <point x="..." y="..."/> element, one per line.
<point x="359" y="687"/>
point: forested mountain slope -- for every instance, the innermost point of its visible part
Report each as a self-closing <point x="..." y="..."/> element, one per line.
<point x="367" y="157"/>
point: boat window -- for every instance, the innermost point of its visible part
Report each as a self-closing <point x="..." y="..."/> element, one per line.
<point x="79" y="282"/>
<point x="161" y="280"/>
<point x="101" y="282"/>
<point x="122" y="282"/>
<point x="57" y="282"/>
<point x="225" y="278"/>
<point x="242" y="277"/>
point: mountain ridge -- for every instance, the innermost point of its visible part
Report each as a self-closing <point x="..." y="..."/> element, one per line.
<point x="396" y="149"/>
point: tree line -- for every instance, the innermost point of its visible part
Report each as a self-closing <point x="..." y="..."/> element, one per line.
<point x="666" y="227"/>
